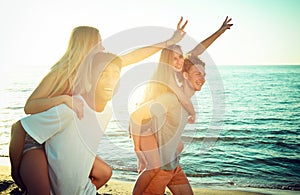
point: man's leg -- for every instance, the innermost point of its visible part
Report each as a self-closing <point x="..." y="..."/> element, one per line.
<point x="159" y="183"/>
<point x="148" y="146"/>
<point x="181" y="189"/>
<point x="179" y="185"/>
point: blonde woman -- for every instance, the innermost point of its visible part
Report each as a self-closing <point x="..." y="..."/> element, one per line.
<point x="57" y="89"/>
<point x="162" y="166"/>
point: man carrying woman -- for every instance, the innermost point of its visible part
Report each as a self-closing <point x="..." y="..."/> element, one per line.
<point x="157" y="124"/>
<point x="64" y="109"/>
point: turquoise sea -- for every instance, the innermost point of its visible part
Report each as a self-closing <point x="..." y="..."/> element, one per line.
<point x="258" y="145"/>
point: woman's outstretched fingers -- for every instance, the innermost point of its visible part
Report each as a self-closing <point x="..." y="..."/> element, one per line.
<point x="178" y="25"/>
<point x="225" y="20"/>
<point x="183" y="26"/>
<point x="226" y="24"/>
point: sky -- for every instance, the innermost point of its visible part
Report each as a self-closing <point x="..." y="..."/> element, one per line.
<point x="265" y="32"/>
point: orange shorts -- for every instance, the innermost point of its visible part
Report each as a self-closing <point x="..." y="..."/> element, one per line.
<point x="166" y="178"/>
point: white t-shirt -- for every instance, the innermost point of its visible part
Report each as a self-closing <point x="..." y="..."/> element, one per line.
<point x="168" y="119"/>
<point x="71" y="145"/>
<point x="169" y="134"/>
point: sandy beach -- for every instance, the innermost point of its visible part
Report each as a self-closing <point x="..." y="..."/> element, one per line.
<point x="115" y="187"/>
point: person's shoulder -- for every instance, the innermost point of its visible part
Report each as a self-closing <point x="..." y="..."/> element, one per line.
<point x="170" y="95"/>
<point x="169" y="98"/>
<point x="51" y="76"/>
<point x="107" y="57"/>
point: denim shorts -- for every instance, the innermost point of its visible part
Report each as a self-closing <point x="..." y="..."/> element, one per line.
<point x="31" y="144"/>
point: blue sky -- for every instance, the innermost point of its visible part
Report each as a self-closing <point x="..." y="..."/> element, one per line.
<point x="265" y="32"/>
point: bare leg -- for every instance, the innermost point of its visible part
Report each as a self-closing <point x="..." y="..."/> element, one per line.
<point x="16" y="146"/>
<point x="34" y="172"/>
<point x="182" y="189"/>
<point x="143" y="181"/>
<point x="149" y="147"/>
<point x="100" y="173"/>
<point x="31" y="170"/>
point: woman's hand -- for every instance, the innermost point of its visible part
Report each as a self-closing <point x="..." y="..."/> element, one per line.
<point x="178" y="34"/>
<point x="180" y="147"/>
<point x="76" y="105"/>
<point x="191" y="119"/>
<point x="183" y="26"/>
<point x="226" y="24"/>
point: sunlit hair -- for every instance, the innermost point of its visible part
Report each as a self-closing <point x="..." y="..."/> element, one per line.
<point x="191" y="61"/>
<point x="167" y="54"/>
<point x="160" y="81"/>
<point x="82" y="40"/>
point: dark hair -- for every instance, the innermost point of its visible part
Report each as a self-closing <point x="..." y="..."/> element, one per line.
<point x="191" y="61"/>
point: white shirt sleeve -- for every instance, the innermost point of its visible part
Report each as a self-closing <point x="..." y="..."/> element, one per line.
<point x="42" y="126"/>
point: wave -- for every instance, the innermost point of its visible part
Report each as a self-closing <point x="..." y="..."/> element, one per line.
<point x="219" y="138"/>
<point x="14" y="107"/>
<point x="210" y="174"/>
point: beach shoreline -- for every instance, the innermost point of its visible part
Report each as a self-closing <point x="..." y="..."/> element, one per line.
<point x="117" y="187"/>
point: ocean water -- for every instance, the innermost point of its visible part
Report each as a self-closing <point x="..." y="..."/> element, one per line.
<point x="258" y="144"/>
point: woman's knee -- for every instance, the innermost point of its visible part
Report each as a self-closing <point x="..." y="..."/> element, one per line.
<point x="101" y="170"/>
<point x="108" y="173"/>
<point x="105" y="173"/>
<point x="100" y="175"/>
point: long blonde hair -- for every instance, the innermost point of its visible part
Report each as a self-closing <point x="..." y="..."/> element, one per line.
<point x="164" y="80"/>
<point x="160" y="81"/>
<point x="82" y="40"/>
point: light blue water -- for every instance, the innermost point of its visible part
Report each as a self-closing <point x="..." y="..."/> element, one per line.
<point x="258" y="146"/>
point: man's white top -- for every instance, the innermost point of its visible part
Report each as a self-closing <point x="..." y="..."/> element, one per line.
<point x="71" y="145"/>
<point x="170" y="126"/>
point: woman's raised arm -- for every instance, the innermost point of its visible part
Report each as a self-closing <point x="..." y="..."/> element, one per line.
<point x="144" y="52"/>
